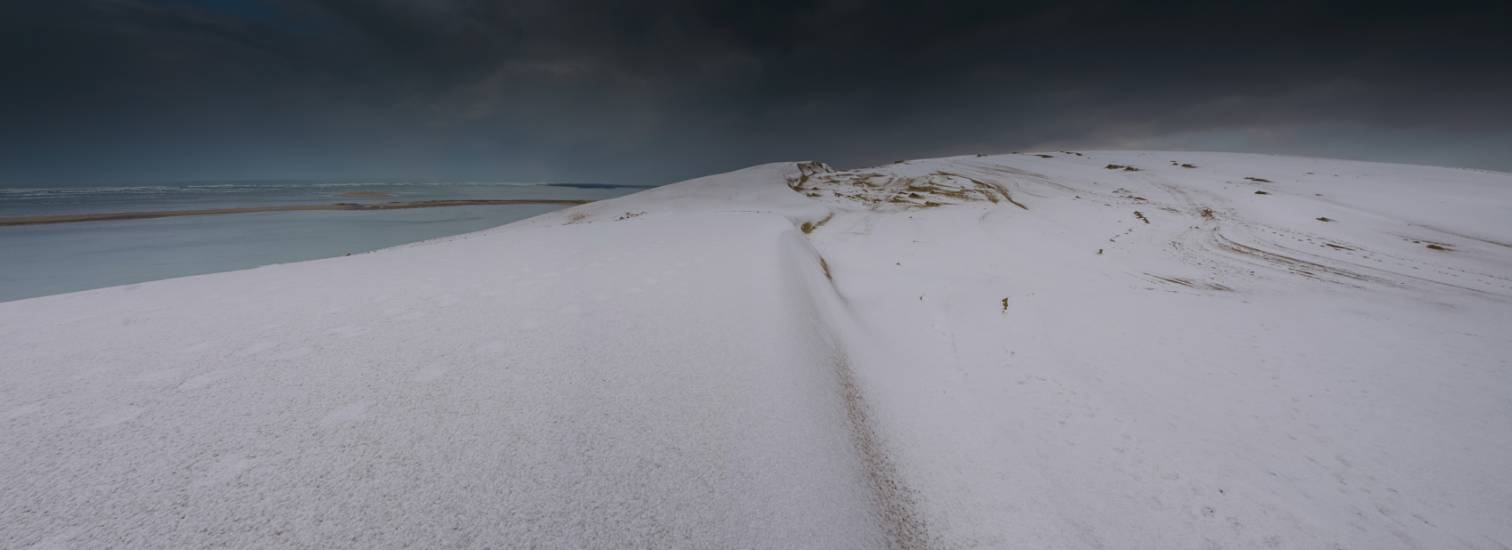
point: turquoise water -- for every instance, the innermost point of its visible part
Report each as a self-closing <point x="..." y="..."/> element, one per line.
<point x="38" y="260"/>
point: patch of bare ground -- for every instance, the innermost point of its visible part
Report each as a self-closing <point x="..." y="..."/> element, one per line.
<point x="809" y="227"/>
<point x="1434" y="245"/>
<point x="991" y="191"/>
<point x="1140" y="215"/>
<point x="1125" y="193"/>
<point x="1183" y="281"/>
<point x="1257" y="180"/>
<point x="1123" y="167"/>
<point x="1174" y="280"/>
<point x="928" y="191"/>
<point x="894" y="501"/>
<point x="1294" y="265"/>
<point x="1464" y="236"/>
<point x="807" y="171"/>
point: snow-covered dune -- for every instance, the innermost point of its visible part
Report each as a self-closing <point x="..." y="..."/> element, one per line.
<point x="1058" y="350"/>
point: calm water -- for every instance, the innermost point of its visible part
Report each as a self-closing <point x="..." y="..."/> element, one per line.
<point x="38" y="260"/>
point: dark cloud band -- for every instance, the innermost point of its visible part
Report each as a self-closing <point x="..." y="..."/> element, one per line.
<point x="114" y="90"/>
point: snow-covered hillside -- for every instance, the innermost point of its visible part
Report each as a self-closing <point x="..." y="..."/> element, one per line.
<point x="1057" y="350"/>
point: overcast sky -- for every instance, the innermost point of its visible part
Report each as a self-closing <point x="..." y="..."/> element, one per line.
<point x="109" y="91"/>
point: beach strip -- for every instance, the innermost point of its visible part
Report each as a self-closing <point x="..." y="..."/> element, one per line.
<point x="109" y="216"/>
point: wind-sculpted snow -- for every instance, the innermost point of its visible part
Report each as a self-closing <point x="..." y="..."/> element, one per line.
<point x="1049" y="350"/>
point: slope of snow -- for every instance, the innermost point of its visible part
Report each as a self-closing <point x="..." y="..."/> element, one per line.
<point x="1045" y="351"/>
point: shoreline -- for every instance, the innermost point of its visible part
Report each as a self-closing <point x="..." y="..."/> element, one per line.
<point x="340" y="206"/>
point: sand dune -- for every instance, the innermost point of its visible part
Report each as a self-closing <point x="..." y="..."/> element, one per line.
<point x="1057" y="350"/>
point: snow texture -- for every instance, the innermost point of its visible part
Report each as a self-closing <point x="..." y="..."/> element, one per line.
<point x="1056" y="350"/>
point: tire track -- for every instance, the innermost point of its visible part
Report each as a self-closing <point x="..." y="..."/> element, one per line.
<point x="891" y="499"/>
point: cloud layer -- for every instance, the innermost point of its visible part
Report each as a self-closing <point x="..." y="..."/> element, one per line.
<point x="135" y="90"/>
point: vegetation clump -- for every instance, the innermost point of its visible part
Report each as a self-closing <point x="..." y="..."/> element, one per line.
<point x="809" y="227"/>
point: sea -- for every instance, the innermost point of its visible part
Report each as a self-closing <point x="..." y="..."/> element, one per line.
<point x="40" y="260"/>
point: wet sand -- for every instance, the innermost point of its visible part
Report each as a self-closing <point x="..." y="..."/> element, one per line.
<point x="108" y="216"/>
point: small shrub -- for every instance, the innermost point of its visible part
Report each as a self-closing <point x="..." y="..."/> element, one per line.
<point x="809" y="227"/>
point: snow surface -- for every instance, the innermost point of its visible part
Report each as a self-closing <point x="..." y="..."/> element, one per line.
<point x="1014" y="351"/>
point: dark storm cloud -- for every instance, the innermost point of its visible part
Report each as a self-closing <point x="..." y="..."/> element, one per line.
<point x="119" y="90"/>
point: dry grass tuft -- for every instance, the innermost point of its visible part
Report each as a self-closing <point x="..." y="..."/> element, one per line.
<point x="809" y="227"/>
